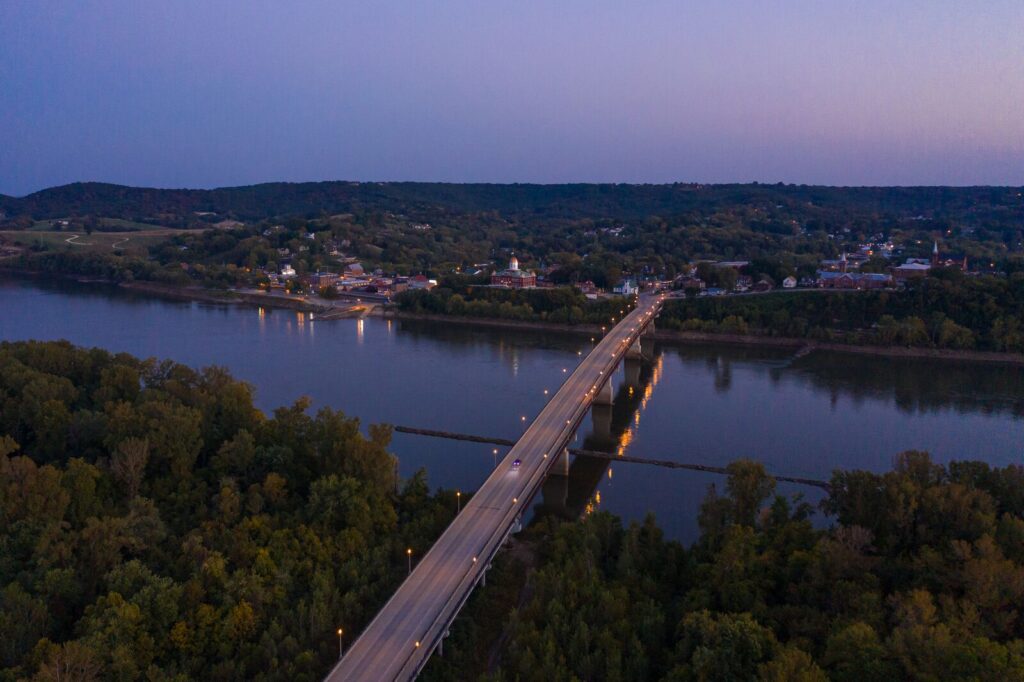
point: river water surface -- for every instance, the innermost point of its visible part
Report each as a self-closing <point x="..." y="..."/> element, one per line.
<point x="694" y="404"/>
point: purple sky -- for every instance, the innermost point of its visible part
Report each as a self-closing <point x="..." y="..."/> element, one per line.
<point x="204" y="94"/>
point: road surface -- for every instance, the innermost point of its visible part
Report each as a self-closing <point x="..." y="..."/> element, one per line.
<point x="400" y="639"/>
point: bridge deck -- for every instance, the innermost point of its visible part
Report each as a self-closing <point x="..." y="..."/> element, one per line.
<point x="400" y="639"/>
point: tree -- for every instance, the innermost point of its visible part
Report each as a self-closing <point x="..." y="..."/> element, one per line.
<point x="70" y="662"/>
<point x="128" y="464"/>
<point x="749" y="486"/>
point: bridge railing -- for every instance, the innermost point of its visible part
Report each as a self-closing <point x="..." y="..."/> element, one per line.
<point x="417" y="657"/>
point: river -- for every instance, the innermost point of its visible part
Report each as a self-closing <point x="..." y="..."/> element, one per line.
<point x="695" y="404"/>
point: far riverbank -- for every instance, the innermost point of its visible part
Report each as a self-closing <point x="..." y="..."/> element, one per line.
<point x="201" y="294"/>
<point x="343" y="307"/>
<point x="797" y="345"/>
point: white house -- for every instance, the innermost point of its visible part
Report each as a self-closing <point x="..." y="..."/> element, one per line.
<point x="626" y="287"/>
<point x="789" y="282"/>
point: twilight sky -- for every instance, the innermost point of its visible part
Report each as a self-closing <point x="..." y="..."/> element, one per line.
<point x="211" y="93"/>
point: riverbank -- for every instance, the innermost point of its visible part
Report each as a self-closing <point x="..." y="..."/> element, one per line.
<point x="328" y="309"/>
<point x="797" y="345"/>
<point x="340" y="309"/>
<point x="204" y="295"/>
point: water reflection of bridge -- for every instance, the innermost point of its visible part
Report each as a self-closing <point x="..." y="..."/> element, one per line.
<point x="573" y="493"/>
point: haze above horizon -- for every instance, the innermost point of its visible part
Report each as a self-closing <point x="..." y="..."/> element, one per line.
<point x="217" y="94"/>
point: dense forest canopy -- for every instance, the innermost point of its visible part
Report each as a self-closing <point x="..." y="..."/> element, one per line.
<point x="920" y="576"/>
<point x="155" y="525"/>
<point x="946" y="310"/>
<point x="257" y="202"/>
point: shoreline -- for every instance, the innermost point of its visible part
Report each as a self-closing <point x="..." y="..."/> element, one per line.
<point x="198" y="294"/>
<point x="799" y="346"/>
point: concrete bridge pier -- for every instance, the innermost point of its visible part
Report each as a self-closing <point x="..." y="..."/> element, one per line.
<point x="562" y="463"/>
<point x="631" y="370"/>
<point x="604" y="394"/>
<point x="601" y="417"/>
<point x="649" y="329"/>
<point x="636" y="351"/>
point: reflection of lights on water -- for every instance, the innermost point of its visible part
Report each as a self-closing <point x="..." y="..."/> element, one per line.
<point x="627" y="436"/>
<point x="262" y="312"/>
<point x="389" y="327"/>
<point x="301" y="317"/>
<point x="359" y="330"/>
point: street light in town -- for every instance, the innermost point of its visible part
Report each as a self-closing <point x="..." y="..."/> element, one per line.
<point x="408" y="554"/>
<point x="495" y="457"/>
<point x="458" y="501"/>
<point x="341" y="644"/>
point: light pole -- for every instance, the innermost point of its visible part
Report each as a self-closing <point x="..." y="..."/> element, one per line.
<point x="458" y="502"/>
<point x="341" y="644"/>
<point x="408" y="554"/>
<point x="495" y="458"/>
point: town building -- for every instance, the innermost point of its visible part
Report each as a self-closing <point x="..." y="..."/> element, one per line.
<point x="854" y="280"/>
<point x="626" y="287"/>
<point x="912" y="269"/>
<point x="323" y="279"/>
<point x="513" y="277"/>
<point x="422" y="282"/>
<point x="689" y="282"/>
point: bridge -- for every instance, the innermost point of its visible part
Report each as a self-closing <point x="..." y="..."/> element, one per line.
<point x="414" y="622"/>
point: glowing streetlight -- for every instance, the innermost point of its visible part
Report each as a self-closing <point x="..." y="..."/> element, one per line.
<point x="408" y="555"/>
<point x="495" y="457"/>
<point x="458" y="501"/>
<point x="341" y="644"/>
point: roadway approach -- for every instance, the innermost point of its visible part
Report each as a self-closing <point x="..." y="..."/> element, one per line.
<point x="414" y="622"/>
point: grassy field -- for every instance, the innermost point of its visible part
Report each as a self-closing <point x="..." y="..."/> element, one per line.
<point x="104" y="223"/>
<point x="136" y="242"/>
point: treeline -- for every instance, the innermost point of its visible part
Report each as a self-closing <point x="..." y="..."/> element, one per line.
<point x="593" y="231"/>
<point x="564" y="305"/>
<point x="920" y="577"/>
<point x="607" y="200"/>
<point x="155" y="525"/>
<point x="947" y="311"/>
<point x="124" y="268"/>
